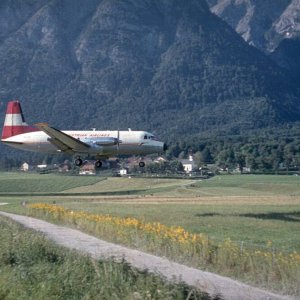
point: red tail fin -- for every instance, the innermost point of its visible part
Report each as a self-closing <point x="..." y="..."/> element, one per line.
<point x="14" y="123"/>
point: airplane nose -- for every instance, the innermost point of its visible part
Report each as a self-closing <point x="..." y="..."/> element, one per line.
<point x="165" y="147"/>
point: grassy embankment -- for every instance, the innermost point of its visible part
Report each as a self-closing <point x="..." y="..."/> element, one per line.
<point x="260" y="212"/>
<point x="32" y="267"/>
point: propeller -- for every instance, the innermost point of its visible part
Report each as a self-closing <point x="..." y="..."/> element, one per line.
<point x="118" y="140"/>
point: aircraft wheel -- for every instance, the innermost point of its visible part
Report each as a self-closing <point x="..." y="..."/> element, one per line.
<point x="78" y="162"/>
<point x="98" y="164"/>
<point x="141" y="164"/>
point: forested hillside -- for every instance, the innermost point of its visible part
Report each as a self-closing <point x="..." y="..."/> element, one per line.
<point x="171" y="67"/>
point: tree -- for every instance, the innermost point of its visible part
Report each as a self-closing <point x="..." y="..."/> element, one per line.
<point x="240" y="158"/>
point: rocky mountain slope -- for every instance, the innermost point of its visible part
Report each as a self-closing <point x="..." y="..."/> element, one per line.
<point x="169" y="66"/>
<point x="273" y="26"/>
<point x="263" y="24"/>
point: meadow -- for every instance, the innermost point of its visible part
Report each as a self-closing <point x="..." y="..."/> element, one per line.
<point x="31" y="183"/>
<point x="251" y="222"/>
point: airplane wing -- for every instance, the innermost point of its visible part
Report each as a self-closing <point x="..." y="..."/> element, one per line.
<point x="63" y="141"/>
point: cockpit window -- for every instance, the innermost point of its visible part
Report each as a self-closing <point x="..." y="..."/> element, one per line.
<point x="150" y="137"/>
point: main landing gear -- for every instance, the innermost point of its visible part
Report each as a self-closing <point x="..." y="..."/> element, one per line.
<point x="78" y="163"/>
<point x="98" y="164"/>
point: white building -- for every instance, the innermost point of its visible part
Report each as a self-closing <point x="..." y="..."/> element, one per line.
<point x="42" y="166"/>
<point x="24" y="167"/>
<point x="123" y="172"/>
<point x="189" y="164"/>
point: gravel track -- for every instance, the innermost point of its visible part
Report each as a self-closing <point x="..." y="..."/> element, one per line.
<point x="207" y="282"/>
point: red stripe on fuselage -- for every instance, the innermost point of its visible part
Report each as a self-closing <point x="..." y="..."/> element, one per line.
<point x="9" y="131"/>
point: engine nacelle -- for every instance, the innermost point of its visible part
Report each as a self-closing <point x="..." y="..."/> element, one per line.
<point x="101" y="141"/>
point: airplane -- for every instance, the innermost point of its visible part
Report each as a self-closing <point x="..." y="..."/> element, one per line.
<point x="99" y="145"/>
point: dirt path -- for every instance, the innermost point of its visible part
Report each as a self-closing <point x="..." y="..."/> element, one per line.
<point x="208" y="282"/>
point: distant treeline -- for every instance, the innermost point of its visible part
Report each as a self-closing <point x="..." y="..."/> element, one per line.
<point x="267" y="150"/>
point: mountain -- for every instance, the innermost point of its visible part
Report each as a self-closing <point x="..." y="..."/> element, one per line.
<point x="168" y="66"/>
<point x="272" y="26"/>
<point x="263" y="24"/>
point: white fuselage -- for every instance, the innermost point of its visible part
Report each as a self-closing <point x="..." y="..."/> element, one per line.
<point x="130" y="142"/>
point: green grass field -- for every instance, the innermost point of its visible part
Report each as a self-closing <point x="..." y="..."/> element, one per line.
<point x="249" y="185"/>
<point x="47" y="183"/>
<point x="254" y="224"/>
<point x="256" y="211"/>
<point x="227" y="185"/>
<point x="250" y="208"/>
